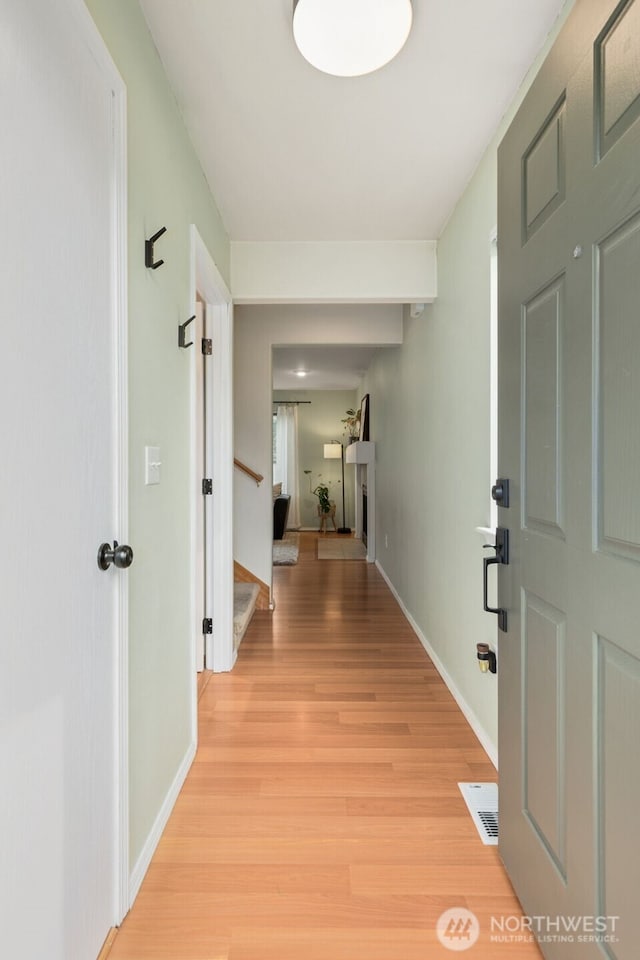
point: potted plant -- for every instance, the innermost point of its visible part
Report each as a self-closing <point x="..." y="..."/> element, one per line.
<point x="321" y="491"/>
<point x="326" y="506"/>
<point x="352" y="424"/>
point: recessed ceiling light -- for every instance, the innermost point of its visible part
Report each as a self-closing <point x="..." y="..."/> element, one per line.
<point x="300" y="373"/>
<point x="348" y="38"/>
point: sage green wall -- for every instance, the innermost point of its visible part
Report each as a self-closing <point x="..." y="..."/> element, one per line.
<point x="430" y="404"/>
<point x="166" y="187"/>
<point x="318" y="423"/>
<point x="430" y="418"/>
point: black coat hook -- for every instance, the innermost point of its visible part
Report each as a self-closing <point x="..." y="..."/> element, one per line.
<point x="148" y="250"/>
<point x="182" y="332"/>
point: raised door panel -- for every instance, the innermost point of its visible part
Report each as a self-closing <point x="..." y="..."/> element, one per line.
<point x="617" y="401"/>
<point x="617" y="75"/>
<point x="543" y="172"/>
<point x="542" y="410"/>
<point x="618" y="784"/>
<point x="544" y="726"/>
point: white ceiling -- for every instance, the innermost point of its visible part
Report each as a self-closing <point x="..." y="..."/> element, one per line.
<point x="327" y="367"/>
<point x="293" y="154"/>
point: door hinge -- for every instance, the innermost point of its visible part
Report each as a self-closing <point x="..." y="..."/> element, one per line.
<point x="207" y="625"/>
<point x="207" y="346"/>
<point x="207" y="487"/>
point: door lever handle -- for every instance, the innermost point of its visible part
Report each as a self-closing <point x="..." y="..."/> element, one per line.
<point x="501" y="546"/>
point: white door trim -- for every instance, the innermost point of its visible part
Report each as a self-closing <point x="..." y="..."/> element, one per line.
<point x="121" y="400"/>
<point x="198" y="403"/>
<point x="207" y="281"/>
<point x="220" y="654"/>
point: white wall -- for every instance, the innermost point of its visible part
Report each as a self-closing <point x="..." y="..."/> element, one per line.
<point x="399" y="271"/>
<point x="257" y="330"/>
<point x="430" y="405"/>
<point x="319" y="422"/>
<point x="166" y="188"/>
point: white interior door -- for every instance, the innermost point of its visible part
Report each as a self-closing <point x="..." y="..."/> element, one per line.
<point x="569" y="267"/>
<point x="60" y="408"/>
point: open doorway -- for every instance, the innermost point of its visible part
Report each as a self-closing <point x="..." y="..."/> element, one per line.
<point x="317" y="415"/>
<point x="316" y="402"/>
<point x="286" y="467"/>
<point x="269" y="337"/>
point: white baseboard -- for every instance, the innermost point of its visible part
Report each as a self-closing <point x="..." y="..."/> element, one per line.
<point x="486" y="742"/>
<point x="143" y="861"/>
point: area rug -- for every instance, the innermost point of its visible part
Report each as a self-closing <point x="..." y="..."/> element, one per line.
<point x="335" y="548"/>
<point x="285" y="552"/>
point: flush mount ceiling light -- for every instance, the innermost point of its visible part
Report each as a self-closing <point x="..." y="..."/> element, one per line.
<point x="348" y="38"/>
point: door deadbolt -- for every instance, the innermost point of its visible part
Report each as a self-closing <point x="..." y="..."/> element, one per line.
<point x="500" y="492"/>
<point x="120" y="555"/>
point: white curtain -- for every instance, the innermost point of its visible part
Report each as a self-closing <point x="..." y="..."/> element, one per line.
<point x="285" y="469"/>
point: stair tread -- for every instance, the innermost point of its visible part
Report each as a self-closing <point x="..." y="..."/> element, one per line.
<point x="245" y="596"/>
<point x="244" y="591"/>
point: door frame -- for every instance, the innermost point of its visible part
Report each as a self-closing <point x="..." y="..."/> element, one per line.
<point x="198" y="403"/>
<point x="207" y="281"/>
<point x="120" y="407"/>
<point x="121" y="402"/>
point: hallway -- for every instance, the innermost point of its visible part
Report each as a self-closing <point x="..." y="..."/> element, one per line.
<point x="322" y="818"/>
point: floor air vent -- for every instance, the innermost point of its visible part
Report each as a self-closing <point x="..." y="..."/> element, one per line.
<point x="482" y="801"/>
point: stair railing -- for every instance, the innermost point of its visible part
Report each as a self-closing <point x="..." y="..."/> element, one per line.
<point x="250" y="473"/>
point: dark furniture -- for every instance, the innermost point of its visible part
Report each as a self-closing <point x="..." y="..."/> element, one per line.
<point x="280" y="514"/>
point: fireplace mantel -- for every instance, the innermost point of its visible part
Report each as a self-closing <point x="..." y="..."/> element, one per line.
<point x="362" y="451"/>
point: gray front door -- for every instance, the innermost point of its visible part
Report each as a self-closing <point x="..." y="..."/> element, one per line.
<point x="569" y="367"/>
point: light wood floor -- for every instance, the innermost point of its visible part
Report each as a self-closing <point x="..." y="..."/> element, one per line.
<point x="322" y="819"/>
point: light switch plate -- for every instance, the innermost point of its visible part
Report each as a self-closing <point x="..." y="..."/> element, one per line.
<point x="152" y="464"/>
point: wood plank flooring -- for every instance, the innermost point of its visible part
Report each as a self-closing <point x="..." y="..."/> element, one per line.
<point x="322" y="819"/>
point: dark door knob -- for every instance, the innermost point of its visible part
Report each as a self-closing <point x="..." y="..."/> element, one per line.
<point x="500" y="492"/>
<point x="120" y="555"/>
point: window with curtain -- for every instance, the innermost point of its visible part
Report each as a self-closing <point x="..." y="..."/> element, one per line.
<point x="285" y="468"/>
